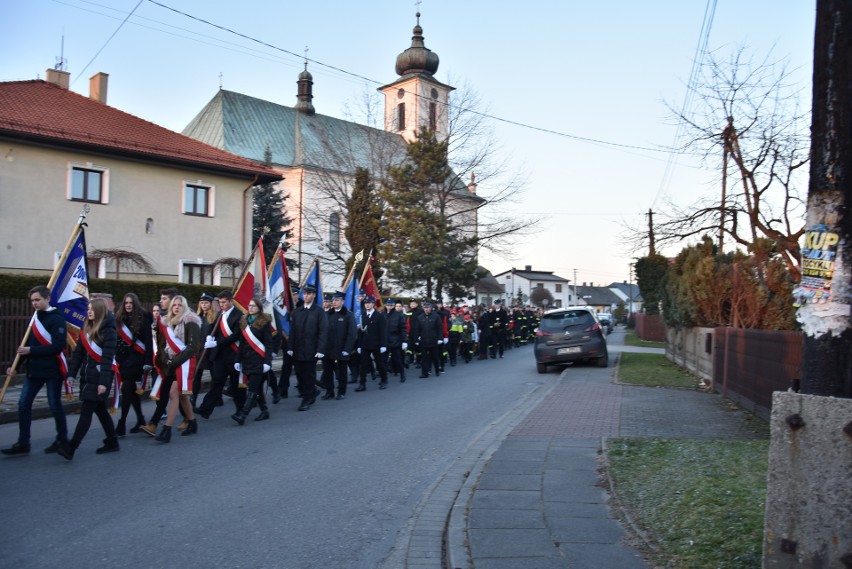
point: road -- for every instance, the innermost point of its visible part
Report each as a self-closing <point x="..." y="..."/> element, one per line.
<point x="335" y="487"/>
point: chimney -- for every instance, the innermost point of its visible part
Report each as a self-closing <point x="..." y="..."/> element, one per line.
<point x="471" y="187"/>
<point x="58" y="77"/>
<point x="528" y="268"/>
<point x="584" y="283"/>
<point x="98" y="87"/>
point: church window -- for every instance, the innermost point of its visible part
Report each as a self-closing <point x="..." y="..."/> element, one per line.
<point x="433" y="117"/>
<point x="334" y="233"/>
<point x="400" y="116"/>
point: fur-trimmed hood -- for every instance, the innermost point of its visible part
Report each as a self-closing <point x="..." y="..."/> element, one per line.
<point x="188" y="316"/>
<point x="261" y="320"/>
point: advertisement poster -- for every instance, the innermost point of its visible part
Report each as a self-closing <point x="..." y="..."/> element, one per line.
<point x="819" y="255"/>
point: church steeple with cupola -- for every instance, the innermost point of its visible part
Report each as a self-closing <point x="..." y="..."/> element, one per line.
<point x="417" y="99"/>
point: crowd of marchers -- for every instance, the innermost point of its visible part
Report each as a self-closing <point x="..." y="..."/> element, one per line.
<point x="121" y="357"/>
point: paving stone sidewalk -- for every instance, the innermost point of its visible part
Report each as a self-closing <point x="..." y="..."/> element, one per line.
<point x="539" y="502"/>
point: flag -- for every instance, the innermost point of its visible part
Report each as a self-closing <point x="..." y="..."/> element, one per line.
<point x="70" y="292"/>
<point x="279" y="287"/>
<point x="313" y="279"/>
<point x="368" y="283"/>
<point x="253" y="283"/>
<point x="351" y="300"/>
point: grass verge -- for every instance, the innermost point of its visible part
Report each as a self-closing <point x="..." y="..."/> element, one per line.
<point x="631" y="339"/>
<point x="702" y="502"/>
<point x="653" y="370"/>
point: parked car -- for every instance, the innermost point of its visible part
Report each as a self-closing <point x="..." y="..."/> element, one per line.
<point x="606" y="323"/>
<point x="568" y="335"/>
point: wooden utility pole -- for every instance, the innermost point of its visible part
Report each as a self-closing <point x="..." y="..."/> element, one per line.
<point x="827" y="365"/>
<point x="652" y="249"/>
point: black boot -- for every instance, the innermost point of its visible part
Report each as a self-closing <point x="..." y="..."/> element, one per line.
<point x="67" y="448"/>
<point x="120" y="428"/>
<point x="192" y="429"/>
<point x="240" y="416"/>
<point x="165" y="435"/>
<point x="110" y="445"/>
<point x="264" y="410"/>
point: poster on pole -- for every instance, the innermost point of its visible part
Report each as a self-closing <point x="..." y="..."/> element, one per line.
<point x="819" y="256"/>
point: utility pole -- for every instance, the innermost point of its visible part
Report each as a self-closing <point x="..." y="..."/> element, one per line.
<point x="726" y="150"/>
<point x="575" y="287"/>
<point x="652" y="249"/>
<point x="630" y="290"/>
<point x="809" y="489"/>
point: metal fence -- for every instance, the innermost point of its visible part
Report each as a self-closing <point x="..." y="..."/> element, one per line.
<point x="15" y="314"/>
<point x="748" y="365"/>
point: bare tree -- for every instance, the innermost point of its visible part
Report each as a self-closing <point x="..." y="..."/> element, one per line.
<point x="119" y="255"/>
<point x="748" y="115"/>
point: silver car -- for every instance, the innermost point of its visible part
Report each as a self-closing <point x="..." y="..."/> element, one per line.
<point x="567" y="335"/>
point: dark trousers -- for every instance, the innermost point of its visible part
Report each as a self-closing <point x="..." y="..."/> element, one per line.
<point x="99" y="408"/>
<point x="453" y="349"/>
<point x="223" y="372"/>
<point x="332" y="369"/>
<point x="286" y="370"/>
<point x="203" y="364"/>
<point x="397" y="362"/>
<point x="498" y="339"/>
<point x="129" y="397"/>
<point x="306" y="378"/>
<point x="31" y="387"/>
<point x="368" y="357"/>
<point x="429" y="357"/>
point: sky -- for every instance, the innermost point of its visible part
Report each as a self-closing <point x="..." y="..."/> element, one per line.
<point x="580" y="91"/>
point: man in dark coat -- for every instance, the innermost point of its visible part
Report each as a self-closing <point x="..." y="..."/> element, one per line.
<point x="222" y="345"/>
<point x="372" y="343"/>
<point x="44" y="367"/>
<point x="397" y="338"/>
<point x="308" y="339"/>
<point x="428" y="334"/>
<point x="499" y="324"/>
<point x="342" y="334"/>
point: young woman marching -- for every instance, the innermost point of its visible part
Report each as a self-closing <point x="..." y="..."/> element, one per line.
<point x="134" y="353"/>
<point x="94" y="357"/>
<point x="208" y="310"/>
<point x="254" y="358"/>
<point x="180" y="339"/>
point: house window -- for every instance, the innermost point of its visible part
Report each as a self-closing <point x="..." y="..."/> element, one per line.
<point x="88" y="184"/>
<point x="558" y="288"/>
<point x="433" y="117"/>
<point x="197" y="273"/>
<point x="334" y="233"/>
<point x="197" y="200"/>
<point x="400" y="116"/>
<point x="539" y="284"/>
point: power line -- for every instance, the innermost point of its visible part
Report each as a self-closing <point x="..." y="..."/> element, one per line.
<point x="106" y="42"/>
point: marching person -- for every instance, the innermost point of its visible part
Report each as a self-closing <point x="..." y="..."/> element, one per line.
<point x="456" y="329"/>
<point x="224" y="341"/>
<point x="397" y="338"/>
<point x="444" y="315"/>
<point x="499" y="324"/>
<point x="308" y="338"/>
<point x="372" y="343"/>
<point x="483" y="324"/>
<point x="45" y="367"/>
<point x="254" y="358"/>
<point x="468" y="338"/>
<point x="94" y="357"/>
<point x="428" y="334"/>
<point x="207" y="311"/>
<point x="342" y="334"/>
<point x="178" y="342"/>
<point x="159" y="378"/>
<point x="134" y="355"/>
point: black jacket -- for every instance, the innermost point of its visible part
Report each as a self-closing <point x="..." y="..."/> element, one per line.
<point x="342" y="334"/>
<point x="95" y="373"/>
<point x="373" y="331"/>
<point x="396" y="329"/>
<point x="127" y="357"/>
<point x="43" y="361"/>
<point x="308" y="333"/>
<point x="251" y="361"/>
<point x="428" y="330"/>
<point x="225" y="344"/>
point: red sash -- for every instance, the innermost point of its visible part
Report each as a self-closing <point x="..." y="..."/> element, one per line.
<point x="183" y="373"/>
<point x="226" y="332"/>
<point x="256" y="345"/>
<point x="128" y="338"/>
<point x="96" y="353"/>
<point x="45" y="339"/>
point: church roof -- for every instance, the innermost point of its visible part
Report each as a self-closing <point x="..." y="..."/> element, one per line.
<point x="245" y="125"/>
<point x="45" y="113"/>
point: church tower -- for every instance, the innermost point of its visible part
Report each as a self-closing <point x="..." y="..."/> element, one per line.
<point x="417" y="99"/>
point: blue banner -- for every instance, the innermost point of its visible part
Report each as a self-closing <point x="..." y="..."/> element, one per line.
<point x="313" y="279"/>
<point x="70" y="293"/>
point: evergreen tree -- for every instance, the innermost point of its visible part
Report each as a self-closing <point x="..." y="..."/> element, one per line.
<point x="268" y="211"/>
<point x="364" y="215"/>
<point x="422" y="245"/>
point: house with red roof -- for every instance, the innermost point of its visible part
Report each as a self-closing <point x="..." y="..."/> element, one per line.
<point x="175" y="200"/>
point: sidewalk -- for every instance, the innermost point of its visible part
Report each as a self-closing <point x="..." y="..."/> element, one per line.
<point x="541" y="501"/>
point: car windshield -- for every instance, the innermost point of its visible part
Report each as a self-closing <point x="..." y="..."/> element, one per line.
<point x="560" y="321"/>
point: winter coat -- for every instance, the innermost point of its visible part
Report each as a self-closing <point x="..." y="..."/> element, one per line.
<point x="373" y="331"/>
<point x="248" y="358"/>
<point x="308" y="333"/>
<point x="129" y="360"/>
<point x="42" y="361"/>
<point x="167" y="361"/>
<point x="225" y="344"/>
<point x="396" y="329"/>
<point x="92" y="372"/>
<point x="428" y="330"/>
<point x="342" y="334"/>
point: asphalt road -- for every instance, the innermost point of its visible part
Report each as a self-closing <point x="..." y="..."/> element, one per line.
<point x="335" y="487"/>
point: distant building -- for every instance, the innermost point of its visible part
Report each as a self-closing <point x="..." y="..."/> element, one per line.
<point x="178" y="202"/>
<point x="629" y="294"/>
<point x="515" y="281"/>
<point x="601" y="298"/>
<point x="317" y="154"/>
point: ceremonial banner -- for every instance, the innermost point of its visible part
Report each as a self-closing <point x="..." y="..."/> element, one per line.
<point x="314" y="279"/>
<point x="70" y="293"/>
<point x="351" y="300"/>
<point x="368" y="283"/>
<point x="254" y="282"/>
<point x="279" y="288"/>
